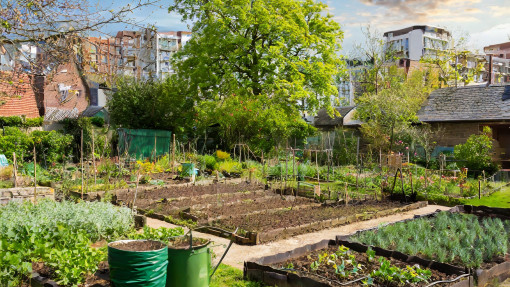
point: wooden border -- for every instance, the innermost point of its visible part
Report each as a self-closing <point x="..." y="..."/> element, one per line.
<point x="254" y="238"/>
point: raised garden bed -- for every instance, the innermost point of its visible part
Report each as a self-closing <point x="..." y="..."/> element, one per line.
<point x="474" y="239"/>
<point x="171" y="206"/>
<point x="335" y="263"/>
<point x="187" y="190"/>
<point x="261" y="227"/>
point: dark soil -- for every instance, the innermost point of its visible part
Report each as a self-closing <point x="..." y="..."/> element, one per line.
<point x="183" y="242"/>
<point x="99" y="279"/>
<point x="186" y="191"/>
<point x="137" y="245"/>
<point x="172" y="206"/>
<point x="261" y="204"/>
<point x="302" y="264"/>
<point x="287" y="218"/>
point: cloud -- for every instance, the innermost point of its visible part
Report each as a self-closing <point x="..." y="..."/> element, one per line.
<point x="422" y="11"/>
<point x="494" y="35"/>
<point x="499" y="11"/>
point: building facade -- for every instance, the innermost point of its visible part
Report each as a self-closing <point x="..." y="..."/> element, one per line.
<point x="417" y="42"/>
<point x="500" y="56"/>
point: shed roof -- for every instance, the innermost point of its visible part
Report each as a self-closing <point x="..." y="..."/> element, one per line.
<point x="466" y="104"/>
<point x="324" y="120"/>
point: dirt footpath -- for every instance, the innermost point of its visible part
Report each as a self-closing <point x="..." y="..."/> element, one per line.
<point x="239" y="253"/>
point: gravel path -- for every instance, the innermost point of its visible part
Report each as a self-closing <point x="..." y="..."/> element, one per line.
<point x="240" y="253"/>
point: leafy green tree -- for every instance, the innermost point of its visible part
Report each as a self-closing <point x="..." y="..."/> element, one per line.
<point x="476" y="153"/>
<point x="392" y="109"/>
<point x="150" y="104"/>
<point x="281" y="56"/>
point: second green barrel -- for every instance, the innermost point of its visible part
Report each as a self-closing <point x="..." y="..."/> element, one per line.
<point x="189" y="267"/>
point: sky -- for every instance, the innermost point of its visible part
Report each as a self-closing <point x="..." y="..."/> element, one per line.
<point x="483" y="22"/>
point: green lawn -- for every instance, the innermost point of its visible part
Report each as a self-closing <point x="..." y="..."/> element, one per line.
<point x="227" y="276"/>
<point x="498" y="199"/>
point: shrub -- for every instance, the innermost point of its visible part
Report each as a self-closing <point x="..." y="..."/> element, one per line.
<point x="97" y="121"/>
<point x="475" y="154"/>
<point x="207" y="162"/>
<point x="221" y="155"/>
<point x="21" y="122"/>
<point x="230" y="167"/>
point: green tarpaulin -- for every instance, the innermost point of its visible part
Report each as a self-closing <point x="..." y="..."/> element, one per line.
<point x="140" y="143"/>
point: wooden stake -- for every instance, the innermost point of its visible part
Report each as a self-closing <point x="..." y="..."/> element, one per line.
<point x="346" y="195"/>
<point x="15" y="168"/>
<point x="35" y="177"/>
<point x="173" y="152"/>
<point x="479" y="189"/>
<point x="94" y="159"/>
<point x="81" y="160"/>
<point x="136" y="189"/>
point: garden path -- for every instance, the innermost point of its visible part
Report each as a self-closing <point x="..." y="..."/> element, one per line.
<point x="240" y="253"/>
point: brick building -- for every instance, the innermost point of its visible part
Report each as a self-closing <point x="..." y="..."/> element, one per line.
<point x="461" y="112"/>
<point x="65" y="93"/>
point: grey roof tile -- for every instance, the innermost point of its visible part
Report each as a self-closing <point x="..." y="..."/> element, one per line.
<point x="465" y="104"/>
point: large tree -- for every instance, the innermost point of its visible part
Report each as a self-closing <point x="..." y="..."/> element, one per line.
<point x="150" y="104"/>
<point x="279" y="55"/>
<point x="391" y="111"/>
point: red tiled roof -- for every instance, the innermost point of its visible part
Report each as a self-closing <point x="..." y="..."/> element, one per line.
<point x="17" y="97"/>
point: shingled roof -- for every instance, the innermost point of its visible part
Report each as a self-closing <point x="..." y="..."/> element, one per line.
<point x="17" y="96"/>
<point x="478" y="103"/>
<point x="324" y="120"/>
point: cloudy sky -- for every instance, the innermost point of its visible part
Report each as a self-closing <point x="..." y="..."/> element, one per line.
<point x="484" y="21"/>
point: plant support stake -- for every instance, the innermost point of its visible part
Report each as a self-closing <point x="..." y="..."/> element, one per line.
<point x="81" y="160"/>
<point x="94" y="158"/>
<point x="15" y="168"/>
<point x="35" y="177"/>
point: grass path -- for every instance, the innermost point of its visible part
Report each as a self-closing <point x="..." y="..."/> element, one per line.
<point x="498" y="199"/>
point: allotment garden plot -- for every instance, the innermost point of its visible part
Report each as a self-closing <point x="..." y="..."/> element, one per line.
<point x="474" y="239"/>
<point x="259" y="215"/>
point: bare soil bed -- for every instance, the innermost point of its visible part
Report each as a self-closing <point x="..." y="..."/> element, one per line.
<point x="172" y="206"/>
<point x="186" y="191"/>
<point x="250" y="206"/>
<point x="325" y="272"/>
<point x="265" y="221"/>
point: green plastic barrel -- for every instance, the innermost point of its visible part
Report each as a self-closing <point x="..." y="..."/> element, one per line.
<point x="137" y="268"/>
<point x="188" y="169"/>
<point x="189" y="267"/>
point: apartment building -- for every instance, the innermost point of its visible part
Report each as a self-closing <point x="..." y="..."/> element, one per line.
<point x="23" y="57"/>
<point x="498" y="56"/>
<point x="417" y="42"/>
<point x="158" y="49"/>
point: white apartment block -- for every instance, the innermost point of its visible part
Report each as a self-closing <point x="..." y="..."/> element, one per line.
<point x="158" y="49"/>
<point x="416" y="42"/>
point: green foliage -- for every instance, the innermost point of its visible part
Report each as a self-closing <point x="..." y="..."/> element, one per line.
<point x="50" y="146"/>
<point x="97" y="121"/>
<point x="59" y="234"/>
<point x="446" y="237"/>
<point x="475" y="154"/>
<point x="275" y="60"/>
<point x="207" y="162"/>
<point x="183" y="222"/>
<point x="150" y="104"/>
<point x="388" y="273"/>
<point x="391" y="111"/>
<point x="160" y="234"/>
<point x="229" y="167"/>
<point x="344" y="149"/>
<point x="21" y="122"/>
<point x="227" y="276"/>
